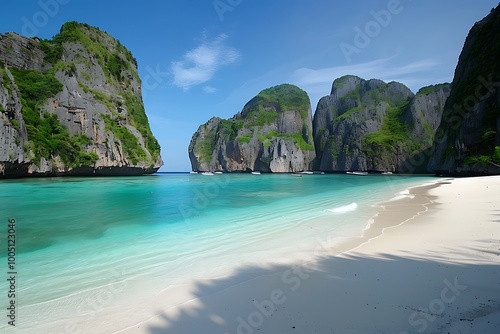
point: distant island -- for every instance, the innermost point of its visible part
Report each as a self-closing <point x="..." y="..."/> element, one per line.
<point x="369" y="125"/>
<point x="72" y="105"/>
<point x="273" y="133"/>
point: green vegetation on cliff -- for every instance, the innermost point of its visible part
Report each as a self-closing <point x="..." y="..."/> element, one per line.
<point x="130" y="143"/>
<point x="485" y="152"/>
<point x="114" y="59"/>
<point x="340" y="82"/>
<point x="231" y="127"/>
<point x="46" y="135"/>
<point x="99" y="96"/>
<point x="393" y="133"/>
<point x="244" y="139"/>
<point x="139" y="119"/>
<point x="108" y="51"/>
<point x="49" y="137"/>
<point x="349" y="113"/>
<point x="484" y="160"/>
<point x="287" y="97"/>
<point x="260" y="117"/>
<point x="297" y="138"/>
<point x="264" y="108"/>
<point x="207" y="146"/>
<point x="430" y="89"/>
<point x="259" y="121"/>
<point x="77" y="91"/>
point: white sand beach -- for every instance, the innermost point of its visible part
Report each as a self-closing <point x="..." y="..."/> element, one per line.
<point x="430" y="264"/>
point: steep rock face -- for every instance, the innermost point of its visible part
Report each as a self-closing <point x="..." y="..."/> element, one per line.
<point x="13" y="133"/>
<point x="468" y="138"/>
<point x="424" y="113"/>
<point x="72" y="106"/>
<point x="273" y="133"/>
<point x="373" y="125"/>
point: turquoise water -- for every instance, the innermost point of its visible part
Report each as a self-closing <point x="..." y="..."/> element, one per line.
<point x="78" y="238"/>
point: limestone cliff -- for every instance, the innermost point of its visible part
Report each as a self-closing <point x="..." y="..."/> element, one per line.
<point x="72" y="106"/>
<point x="273" y="133"/>
<point x="378" y="126"/>
<point x="468" y="138"/>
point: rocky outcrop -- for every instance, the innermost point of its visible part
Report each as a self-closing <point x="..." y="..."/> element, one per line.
<point x="72" y="106"/>
<point x="377" y="126"/>
<point x="362" y="125"/>
<point x="468" y="139"/>
<point x="273" y="133"/>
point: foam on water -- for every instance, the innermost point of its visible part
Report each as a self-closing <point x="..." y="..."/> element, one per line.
<point x="344" y="208"/>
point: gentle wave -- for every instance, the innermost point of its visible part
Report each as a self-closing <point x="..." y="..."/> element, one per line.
<point x="402" y="195"/>
<point x="345" y="208"/>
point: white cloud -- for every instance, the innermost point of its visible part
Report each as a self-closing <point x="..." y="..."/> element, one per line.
<point x="200" y="64"/>
<point x="318" y="82"/>
<point x="380" y="69"/>
<point x="209" y="89"/>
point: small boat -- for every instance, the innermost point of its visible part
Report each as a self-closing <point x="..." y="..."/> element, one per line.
<point x="256" y="173"/>
<point x="308" y="173"/>
<point x="207" y="173"/>
<point x="387" y="173"/>
<point x="357" y="173"/>
<point x="297" y="174"/>
<point x="218" y="172"/>
<point x="193" y="172"/>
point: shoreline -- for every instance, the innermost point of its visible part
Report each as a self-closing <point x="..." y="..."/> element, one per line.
<point x="413" y="270"/>
<point x="418" y="200"/>
<point x="386" y="273"/>
<point x="133" y="291"/>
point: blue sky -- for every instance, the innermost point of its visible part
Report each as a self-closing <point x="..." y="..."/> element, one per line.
<point x="204" y="58"/>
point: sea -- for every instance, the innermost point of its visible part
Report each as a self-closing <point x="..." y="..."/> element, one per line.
<point x="85" y="246"/>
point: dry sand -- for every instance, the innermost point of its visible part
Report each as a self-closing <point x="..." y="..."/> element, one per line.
<point x="430" y="264"/>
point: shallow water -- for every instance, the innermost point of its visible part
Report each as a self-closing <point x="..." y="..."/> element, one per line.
<point x="78" y="236"/>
